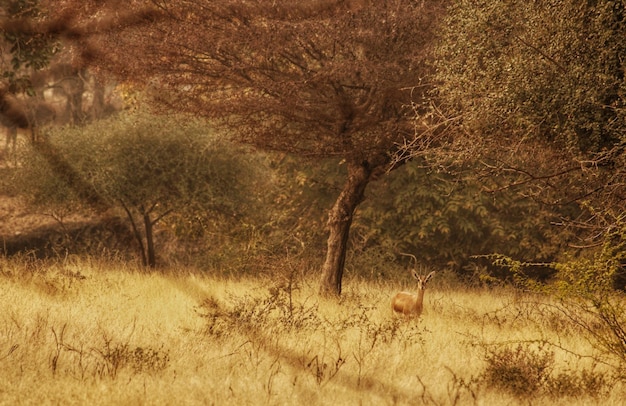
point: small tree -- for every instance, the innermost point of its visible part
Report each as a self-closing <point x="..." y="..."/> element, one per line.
<point x="148" y="166"/>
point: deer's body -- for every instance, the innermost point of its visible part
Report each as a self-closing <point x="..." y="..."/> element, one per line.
<point x="408" y="303"/>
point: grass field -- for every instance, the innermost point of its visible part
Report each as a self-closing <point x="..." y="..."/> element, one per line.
<point x="81" y="332"/>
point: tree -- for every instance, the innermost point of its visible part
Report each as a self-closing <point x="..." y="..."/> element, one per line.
<point x="150" y="167"/>
<point x="326" y="78"/>
<point x="547" y="76"/>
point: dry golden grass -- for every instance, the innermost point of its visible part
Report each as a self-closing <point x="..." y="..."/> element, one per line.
<point x="86" y="333"/>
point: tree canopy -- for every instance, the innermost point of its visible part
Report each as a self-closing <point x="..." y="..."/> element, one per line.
<point x="540" y="86"/>
<point x="550" y="69"/>
<point x="327" y="78"/>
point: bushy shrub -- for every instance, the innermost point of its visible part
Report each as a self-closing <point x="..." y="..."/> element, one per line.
<point x="521" y="370"/>
<point x="524" y="370"/>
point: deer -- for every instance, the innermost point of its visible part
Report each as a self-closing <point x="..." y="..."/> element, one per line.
<point x="408" y="303"/>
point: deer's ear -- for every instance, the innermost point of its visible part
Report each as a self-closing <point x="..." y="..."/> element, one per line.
<point x="430" y="275"/>
<point x="414" y="273"/>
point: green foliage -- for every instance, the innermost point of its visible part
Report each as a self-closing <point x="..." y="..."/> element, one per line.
<point x="540" y="86"/>
<point x="304" y="190"/>
<point x="286" y="229"/>
<point x="596" y="275"/>
<point x="28" y="49"/>
<point x="167" y="161"/>
<point x="445" y="219"/>
<point x="585" y="287"/>
<point x="158" y="169"/>
<point x="551" y="69"/>
<point x="590" y="302"/>
<point x="372" y="261"/>
<point x="37" y="181"/>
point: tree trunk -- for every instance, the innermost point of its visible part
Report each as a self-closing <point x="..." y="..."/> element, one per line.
<point x="339" y="222"/>
<point x="148" y="223"/>
<point x="136" y="233"/>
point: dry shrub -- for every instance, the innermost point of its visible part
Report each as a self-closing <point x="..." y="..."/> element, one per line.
<point x="521" y="370"/>
<point x="587" y="382"/>
<point x="114" y="357"/>
<point x="529" y="370"/>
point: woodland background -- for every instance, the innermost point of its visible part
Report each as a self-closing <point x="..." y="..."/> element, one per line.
<point x="290" y="147"/>
<point x="515" y="147"/>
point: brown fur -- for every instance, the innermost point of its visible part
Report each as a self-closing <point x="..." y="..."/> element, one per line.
<point x="408" y="303"/>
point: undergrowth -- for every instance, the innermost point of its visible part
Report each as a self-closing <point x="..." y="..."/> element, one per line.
<point x="529" y="370"/>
